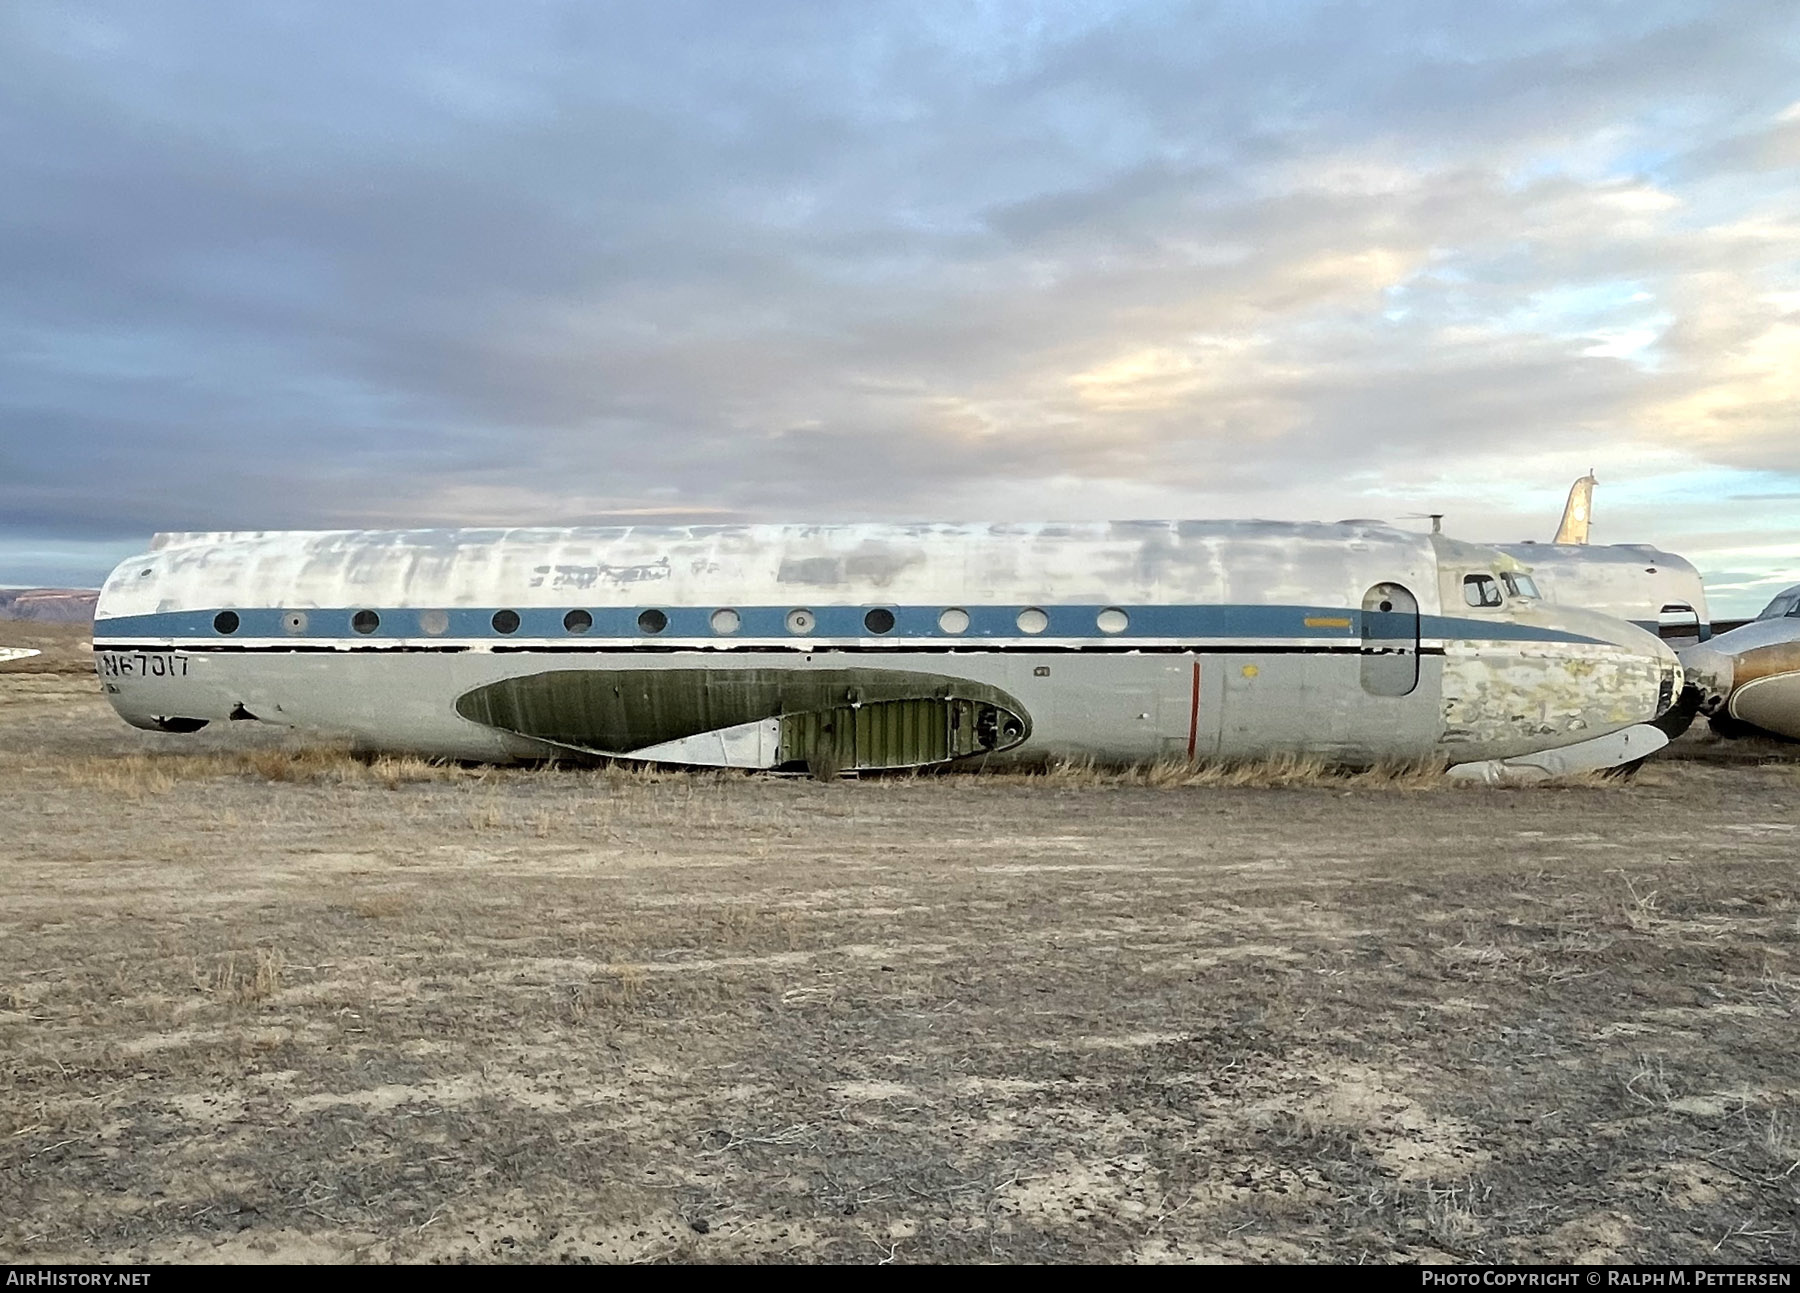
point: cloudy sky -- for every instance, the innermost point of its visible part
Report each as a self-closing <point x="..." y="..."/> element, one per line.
<point x="316" y="265"/>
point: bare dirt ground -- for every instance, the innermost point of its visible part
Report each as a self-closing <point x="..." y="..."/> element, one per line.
<point x="263" y="1002"/>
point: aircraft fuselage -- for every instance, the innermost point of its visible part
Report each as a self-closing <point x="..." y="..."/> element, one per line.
<point x="867" y="647"/>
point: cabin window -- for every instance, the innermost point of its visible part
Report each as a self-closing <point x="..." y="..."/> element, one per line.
<point x="505" y="621"/>
<point x="1032" y="620"/>
<point x="365" y="621"/>
<point x="578" y="622"/>
<point x="801" y="621"/>
<point x="1520" y="585"/>
<point x="1481" y="590"/>
<point x="434" y="623"/>
<point x="879" y="620"/>
<point x="226" y="622"/>
<point x="954" y="620"/>
<point x="1112" y="620"/>
<point x="725" y="621"/>
<point x="652" y="621"/>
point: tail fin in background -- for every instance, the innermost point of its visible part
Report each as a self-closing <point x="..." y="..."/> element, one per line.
<point x="1578" y="511"/>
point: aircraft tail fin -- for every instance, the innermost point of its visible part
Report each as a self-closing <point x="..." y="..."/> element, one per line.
<point x="1578" y="512"/>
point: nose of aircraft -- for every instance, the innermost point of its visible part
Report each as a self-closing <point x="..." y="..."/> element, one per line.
<point x="1647" y="679"/>
<point x="1555" y="677"/>
<point x="1750" y="675"/>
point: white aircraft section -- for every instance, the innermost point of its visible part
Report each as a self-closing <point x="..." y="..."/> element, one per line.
<point x="755" y="744"/>
<point x="9" y="654"/>
<point x="1219" y="562"/>
<point x="1656" y="590"/>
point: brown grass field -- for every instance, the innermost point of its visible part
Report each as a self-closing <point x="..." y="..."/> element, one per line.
<point x="264" y="1001"/>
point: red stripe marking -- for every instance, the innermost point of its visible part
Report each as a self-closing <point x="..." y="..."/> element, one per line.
<point x="1194" y="714"/>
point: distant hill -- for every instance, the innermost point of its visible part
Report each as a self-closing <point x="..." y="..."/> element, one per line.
<point x="49" y="605"/>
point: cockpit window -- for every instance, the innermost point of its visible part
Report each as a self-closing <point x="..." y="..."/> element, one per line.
<point x="1520" y="585"/>
<point x="1481" y="590"/>
<point x="1784" y="605"/>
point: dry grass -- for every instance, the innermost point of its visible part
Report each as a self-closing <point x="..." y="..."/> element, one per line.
<point x="1775" y="1136"/>
<point x="241" y="978"/>
<point x="1278" y="772"/>
<point x="136" y="775"/>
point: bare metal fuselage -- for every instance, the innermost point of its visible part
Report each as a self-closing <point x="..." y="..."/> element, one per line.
<point x="870" y="646"/>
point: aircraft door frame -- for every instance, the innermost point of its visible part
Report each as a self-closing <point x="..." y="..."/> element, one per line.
<point x="1390" y="641"/>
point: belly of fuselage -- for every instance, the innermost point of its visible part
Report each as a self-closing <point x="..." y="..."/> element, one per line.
<point x="878" y="709"/>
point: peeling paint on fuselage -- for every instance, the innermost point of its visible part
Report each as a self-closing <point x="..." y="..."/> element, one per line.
<point x="1521" y="701"/>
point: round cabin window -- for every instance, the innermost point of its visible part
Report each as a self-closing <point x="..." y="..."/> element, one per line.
<point x="652" y="621"/>
<point x="365" y="621"/>
<point x="954" y="620"/>
<point x="434" y="623"/>
<point x="879" y="620"/>
<point x="1112" y="620"/>
<point x="505" y="621"/>
<point x="226" y="622"/>
<point x="1032" y="620"/>
<point x="725" y="621"/>
<point x="578" y="622"/>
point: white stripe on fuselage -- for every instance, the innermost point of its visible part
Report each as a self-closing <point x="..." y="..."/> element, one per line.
<point x="572" y="646"/>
